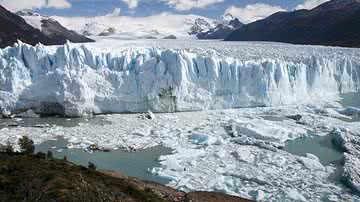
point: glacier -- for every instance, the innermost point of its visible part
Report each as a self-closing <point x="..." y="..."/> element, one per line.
<point x="78" y="80"/>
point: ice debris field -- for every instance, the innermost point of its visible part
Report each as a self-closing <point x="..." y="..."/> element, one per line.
<point x="217" y="144"/>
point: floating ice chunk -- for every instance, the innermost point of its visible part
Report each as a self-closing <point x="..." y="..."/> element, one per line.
<point x="295" y="195"/>
<point x="199" y="138"/>
<point x="150" y="115"/>
<point x="262" y="130"/>
<point x="28" y="114"/>
<point x="204" y="139"/>
<point x="311" y="163"/>
<point x="312" y="156"/>
<point x="243" y="154"/>
<point x="350" y="111"/>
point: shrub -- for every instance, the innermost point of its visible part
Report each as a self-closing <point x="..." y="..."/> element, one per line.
<point x="9" y="147"/>
<point x="41" y="155"/>
<point x="26" y="145"/>
<point x="49" y="155"/>
<point x="91" y="166"/>
<point x="65" y="158"/>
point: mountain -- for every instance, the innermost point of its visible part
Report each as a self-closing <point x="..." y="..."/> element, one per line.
<point x="199" y="25"/>
<point x="334" y="23"/>
<point x="14" y="28"/>
<point x="97" y="29"/>
<point x="52" y="28"/>
<point x="226" y="26"/>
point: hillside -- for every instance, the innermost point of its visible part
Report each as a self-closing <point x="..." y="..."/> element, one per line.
<point x="334" y="23"/>
<point x="31" y="178"/>
<point x="13" y="28"/>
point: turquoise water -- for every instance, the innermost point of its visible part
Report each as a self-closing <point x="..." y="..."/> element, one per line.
<point x="321" y="147"/>
<point x="134" y="164"/>
<point x="350" y="99"/>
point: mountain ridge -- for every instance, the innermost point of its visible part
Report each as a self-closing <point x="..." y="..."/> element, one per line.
<point x="323" y="25"/>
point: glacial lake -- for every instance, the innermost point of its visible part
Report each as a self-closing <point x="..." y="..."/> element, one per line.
<point x="135" y="164"/>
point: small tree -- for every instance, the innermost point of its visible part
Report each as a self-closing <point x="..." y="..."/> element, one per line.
<point x="91" y="166"/>
<point x="41" y="155"/>
<point x="65" y="158"/>
<point x="26" y="145"/>
<point x="49" y="155"/>
<point x="9" y="147"/>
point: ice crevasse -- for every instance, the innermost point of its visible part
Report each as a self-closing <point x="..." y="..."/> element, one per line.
<point x="75" y="80"/>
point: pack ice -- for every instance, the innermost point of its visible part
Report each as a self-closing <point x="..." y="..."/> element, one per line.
<point x="76" y="80"/>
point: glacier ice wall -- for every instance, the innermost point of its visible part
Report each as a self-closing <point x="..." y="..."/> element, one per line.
<point x="77" y="80"/>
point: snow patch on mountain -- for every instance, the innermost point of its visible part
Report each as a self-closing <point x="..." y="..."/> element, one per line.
<point x="156" y="26"/>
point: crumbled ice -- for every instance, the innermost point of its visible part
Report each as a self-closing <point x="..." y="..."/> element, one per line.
<point x="349" y="141"/>
<point x="198" y="162"/>
<point x="350" y="111"/>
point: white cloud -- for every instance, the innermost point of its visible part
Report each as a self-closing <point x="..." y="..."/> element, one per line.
<point x="253" y="12"/>
<point x="131" y="3"/>
<point x="114" y="13"/>
<point x="185" y="5"/>
<point x="15" y="5"/>
<point x="58" y="4"/>
<point x="310" y="4"/>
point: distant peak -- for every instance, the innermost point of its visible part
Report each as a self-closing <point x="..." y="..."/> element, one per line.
<point x="29" y="13"/>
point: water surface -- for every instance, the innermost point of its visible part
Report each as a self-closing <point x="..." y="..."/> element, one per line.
<point x="134" y="164"/>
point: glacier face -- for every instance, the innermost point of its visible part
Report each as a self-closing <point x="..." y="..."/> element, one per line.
<point x="75" y="80"/>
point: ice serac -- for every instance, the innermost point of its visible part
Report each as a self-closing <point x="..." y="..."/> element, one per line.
<point x="75" y="80"/>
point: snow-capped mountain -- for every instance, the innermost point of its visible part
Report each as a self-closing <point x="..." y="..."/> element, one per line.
<point x="224" y="27"/>
<point x="127" y="27"/>
<point x="199" y="25"/>
<point x="97" y="29"/>
<point x="52" y="28"/>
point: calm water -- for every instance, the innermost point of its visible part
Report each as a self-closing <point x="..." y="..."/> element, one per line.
<point x="134" y="164"/>
<point x="321" y="147"/>
<point x="350" y="100"/>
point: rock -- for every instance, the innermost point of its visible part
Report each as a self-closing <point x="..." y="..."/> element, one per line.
<point x="5" y="113"/>
<point x="296" y="117"/>
<point x="109" y="31"/>
<point x="150" y="115"/>
<point x="171" y="36"/>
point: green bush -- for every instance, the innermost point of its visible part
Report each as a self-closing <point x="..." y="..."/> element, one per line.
<point x="41" y="155"/>
<point x="91" y="166"/>
<point x="26" y="145"/>
<point x="49" y="155"/>
<point x="9" y="147"/>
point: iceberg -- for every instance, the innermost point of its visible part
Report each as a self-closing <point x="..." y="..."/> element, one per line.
<point x="76" y="80"/>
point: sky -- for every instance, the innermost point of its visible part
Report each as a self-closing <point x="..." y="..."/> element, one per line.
<point x="246" y="10"/>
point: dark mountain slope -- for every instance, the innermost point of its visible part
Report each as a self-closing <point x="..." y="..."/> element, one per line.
<point x="60" y="34"/>
<point x="14" y="27"/>
<point x="335" y="23"/>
